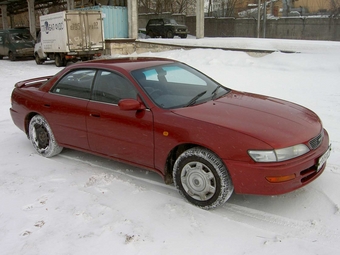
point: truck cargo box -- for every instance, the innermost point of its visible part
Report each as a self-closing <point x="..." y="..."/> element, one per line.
<point x="71" y="34"/>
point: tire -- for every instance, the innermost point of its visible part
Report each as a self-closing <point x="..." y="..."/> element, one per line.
<point x="151" y="34"/>
<point x="38" y="60"/>
<point x="59" y="62"/>
<point x="202" y="178"/>
<point x="169" y="34"/>
<point x="1" y="57"/>
<point x="42" y="138"/>
<point x="184" y="36"/>
<point x="11" y="56"/>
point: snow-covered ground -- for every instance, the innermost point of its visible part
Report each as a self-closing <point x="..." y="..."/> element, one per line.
<point x="76" y="203"/>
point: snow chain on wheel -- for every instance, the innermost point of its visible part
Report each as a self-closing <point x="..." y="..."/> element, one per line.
<point x="42" y="138"/>
<point x="202" y="178"/>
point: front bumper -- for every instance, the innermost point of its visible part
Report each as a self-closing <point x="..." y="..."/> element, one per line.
<point x="181" y="32"/>
<point x="250" y="177"/>
<point x="26" y="52"/>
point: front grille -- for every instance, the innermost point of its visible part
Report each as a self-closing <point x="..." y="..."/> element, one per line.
<point x="316" y="141"/>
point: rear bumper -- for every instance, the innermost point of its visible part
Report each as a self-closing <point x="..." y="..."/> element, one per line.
<point x="17" y="119"/>
<point x="250" y="177"/>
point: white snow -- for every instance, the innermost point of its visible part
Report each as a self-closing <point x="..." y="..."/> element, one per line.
<point x="76" y="203"/>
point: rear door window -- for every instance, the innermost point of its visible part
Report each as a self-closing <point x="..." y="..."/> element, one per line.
<point x="77" y="84"/>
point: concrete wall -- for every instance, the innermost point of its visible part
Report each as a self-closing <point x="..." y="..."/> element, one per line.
<point x="129" y="46"/>
<point x="307" y="28"/>
<point x="284" y="28"/>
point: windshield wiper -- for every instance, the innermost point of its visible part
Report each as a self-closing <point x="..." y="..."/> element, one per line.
<point x="214" y="94"/>
<point x="193" y="101"/>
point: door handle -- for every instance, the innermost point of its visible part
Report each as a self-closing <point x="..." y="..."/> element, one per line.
<point x="96" y="115"/>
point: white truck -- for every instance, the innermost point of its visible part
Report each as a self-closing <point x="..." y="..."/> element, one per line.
<point x="69" y="35"/>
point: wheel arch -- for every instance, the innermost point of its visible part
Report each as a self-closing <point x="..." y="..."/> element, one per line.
<point x="173" y="155"/>
<point x="27" y="121"/>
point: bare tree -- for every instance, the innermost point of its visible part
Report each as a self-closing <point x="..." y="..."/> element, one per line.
<point x="209" y="8"/>
<point x="335" y="7"/>
<point x="230" y="8"/>
<point x="161" y="6"/>
<point x="146" y="5"/>
<point x="224" y="8"/>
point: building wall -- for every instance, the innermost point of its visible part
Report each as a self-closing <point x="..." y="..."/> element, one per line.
<point x="313" y="6"/>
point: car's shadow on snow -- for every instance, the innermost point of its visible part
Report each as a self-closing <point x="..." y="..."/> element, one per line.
<point x="282" y="204"/>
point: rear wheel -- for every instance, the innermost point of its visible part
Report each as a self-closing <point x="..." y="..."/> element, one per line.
<point x="59" y="61"/>
<point x="151" y="34"/>
<point x="42" y="138"/>
<point x="169" y="34"/>
<point x="201" y="177"/>
<point x="11" y="56"/>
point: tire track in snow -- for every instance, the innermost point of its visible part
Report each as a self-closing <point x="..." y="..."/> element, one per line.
<point x="281" y="225"/>
<point x="286" y="227"/>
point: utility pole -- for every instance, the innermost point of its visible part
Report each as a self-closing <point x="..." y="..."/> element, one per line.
<point x="264" y="18"/>
<point x="258" y="18"/>
<point x="199" y="19"/>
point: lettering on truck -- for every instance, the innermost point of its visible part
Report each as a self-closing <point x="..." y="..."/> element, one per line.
<point x="75" y="26"/>
<point x="94" y="25"/>
<point x="48" y="27"/>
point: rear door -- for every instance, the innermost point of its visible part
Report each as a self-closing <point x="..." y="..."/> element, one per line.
<point x="94" y="30"/>
<point x="65" y="108"/>
<point x="84" y="30"/>
<point x="126" y="135"/>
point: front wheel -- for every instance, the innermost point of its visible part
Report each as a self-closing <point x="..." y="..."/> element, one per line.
<point x="38" y="60"/>
<point x="201" y="177"/>
<point x="42" y="138"/>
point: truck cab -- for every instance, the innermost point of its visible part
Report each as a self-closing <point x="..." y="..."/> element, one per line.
<point x="39" y="53"/>
<point x="16" y="43"/>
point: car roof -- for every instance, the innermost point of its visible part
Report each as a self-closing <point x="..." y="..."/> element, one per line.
<point x="127" y="63"/>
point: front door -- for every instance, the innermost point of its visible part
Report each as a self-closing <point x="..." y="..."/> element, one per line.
<point x="125" y="135"/>
<point x="3" y="45"/>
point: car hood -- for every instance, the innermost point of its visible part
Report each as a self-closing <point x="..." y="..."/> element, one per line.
<point x="177" y="26"/>
<point x="276" y="122"/>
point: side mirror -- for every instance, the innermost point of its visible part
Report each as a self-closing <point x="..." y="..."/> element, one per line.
<point x="130" y="105"/>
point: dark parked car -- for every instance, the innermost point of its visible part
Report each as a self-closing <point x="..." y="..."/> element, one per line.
<point x="166" y="28"/>
<point x="167" y="117"/>
<point x="16" y="43"/>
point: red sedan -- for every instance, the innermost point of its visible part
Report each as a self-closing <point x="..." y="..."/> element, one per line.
<point x="168" y="117"/>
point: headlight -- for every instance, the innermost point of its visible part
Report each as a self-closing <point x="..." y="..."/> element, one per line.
<point x="278" y="155"/>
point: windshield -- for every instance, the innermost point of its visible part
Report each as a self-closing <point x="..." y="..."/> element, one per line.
<point x="20" y="37"/>
<point x="178" y="85"/>
<point x="170" y="21"/>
